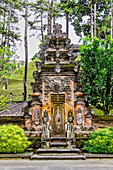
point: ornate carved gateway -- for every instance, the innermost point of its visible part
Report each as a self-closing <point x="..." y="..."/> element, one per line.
<point x="57" y="106"/>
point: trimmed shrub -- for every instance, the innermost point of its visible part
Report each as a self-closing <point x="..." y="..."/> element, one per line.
<point x="12" y="139"/>
<point x="101" y="141"/>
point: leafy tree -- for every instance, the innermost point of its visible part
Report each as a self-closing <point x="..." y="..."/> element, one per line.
<point x="84" y="13"/>
<point x="7" y="66"/>
<point x="39" y="11"/>
<point x="9" y="18"/>
<point x="97" y="65"/>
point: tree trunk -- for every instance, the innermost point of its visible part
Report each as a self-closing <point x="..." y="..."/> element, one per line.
<point x="26" y="52"/>
<point x="95" y="19"/>
<point x="3" y="39"/>
<point x="10" y="11"/>
<point x="49" y="20"/>
<point x="67" y="25"/>
<point x="111" y="20"/>
<point x="54" y="20"/>
<point x="51" y="14"/>
<point x="91" y="19"/>
<point x="42" y="27"/>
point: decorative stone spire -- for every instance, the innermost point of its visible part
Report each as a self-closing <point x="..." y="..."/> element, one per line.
<point x="56" y="49"/>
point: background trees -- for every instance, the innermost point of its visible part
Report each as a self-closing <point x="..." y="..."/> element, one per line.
<point x="26" y="49"/>
<point x="6" y="66"/>
<point x="9" y="31"/>
<point x="89" y="17"/>
<point x="97" y="66"/>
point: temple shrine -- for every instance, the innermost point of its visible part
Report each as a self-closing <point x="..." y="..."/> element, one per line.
<point x="57" y="108"/>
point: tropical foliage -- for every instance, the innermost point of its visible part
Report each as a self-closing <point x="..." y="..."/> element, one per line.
<point x="97" y="66"/>
<point x="85" y="15"/>
<point x="6" y="65"/>
<point x="3" y="104"/>
<point x="101" y="141"/>
<point x="12" y="139"/>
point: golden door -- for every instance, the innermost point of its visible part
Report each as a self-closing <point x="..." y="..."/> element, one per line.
<point x="58" y="126"/>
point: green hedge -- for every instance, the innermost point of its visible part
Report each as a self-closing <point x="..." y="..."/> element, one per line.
<point x="12" y="139"/>
<point x="101" y="141"/>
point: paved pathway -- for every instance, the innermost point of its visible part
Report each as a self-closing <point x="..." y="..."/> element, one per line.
<point x="90" y="164"/>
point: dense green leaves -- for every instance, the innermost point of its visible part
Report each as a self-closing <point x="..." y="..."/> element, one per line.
<point x="6" y="65"/>
<point x="101" y="141"/>
<point x="9" y="18"/>
<point x="97" y="65"/>
<point x="12" y="139"/>
<point x="3" y="104"/>
<point x="80" y="16"/>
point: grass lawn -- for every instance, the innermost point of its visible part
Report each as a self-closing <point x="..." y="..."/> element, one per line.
<point x="15" y="84"/>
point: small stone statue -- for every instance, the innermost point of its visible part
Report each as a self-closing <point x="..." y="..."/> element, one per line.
<point x="70" y="120"/>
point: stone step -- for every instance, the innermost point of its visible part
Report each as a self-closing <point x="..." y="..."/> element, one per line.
<point x="58" y="157"/>
<point x="58" y="139"/>
<point x="56" y="150"/>
<point x="58" y="144"/>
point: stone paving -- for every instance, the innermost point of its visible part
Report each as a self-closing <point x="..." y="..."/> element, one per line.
<point x="90" y="164"/>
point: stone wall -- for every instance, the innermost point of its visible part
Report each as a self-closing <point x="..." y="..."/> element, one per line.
<point x="102" y="121"/>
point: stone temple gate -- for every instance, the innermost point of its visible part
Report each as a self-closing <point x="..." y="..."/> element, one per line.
<point x="57" y="108"/>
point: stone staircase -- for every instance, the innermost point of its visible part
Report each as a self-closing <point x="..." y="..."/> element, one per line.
<point x="58" y="150"/>
<point x="58" y="142"/>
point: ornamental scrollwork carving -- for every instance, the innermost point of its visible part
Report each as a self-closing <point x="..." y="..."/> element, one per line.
<point x="57" y="85"/>
<point x="37" y="116"/>
<point x="70" y="117"/>
<point x="79" y="116"/>
<point x="37" y="76"/>
<point x="57" y="29"/>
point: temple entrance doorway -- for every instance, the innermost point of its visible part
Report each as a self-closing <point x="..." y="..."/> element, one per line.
<point x="58" y="115"/>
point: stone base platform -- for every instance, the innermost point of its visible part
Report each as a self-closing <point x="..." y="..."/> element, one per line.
<point x="57" y="157"/>
<point x="58" y="154"/>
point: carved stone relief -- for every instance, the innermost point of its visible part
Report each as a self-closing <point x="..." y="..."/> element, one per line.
<point x="56" y="40"/>
<point x="45" y="121"/>
<point x="70" y="116"/>
<point x="37" y="76"/>
<point x="79" y="116"/>
<point x="57" y="85"/>
<point x="37" y="86"/>
<point x="37" y="116"/>
<point x="70" y="119"/>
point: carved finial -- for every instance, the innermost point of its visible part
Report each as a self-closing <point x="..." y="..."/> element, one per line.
<point x="57" y="29"/>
